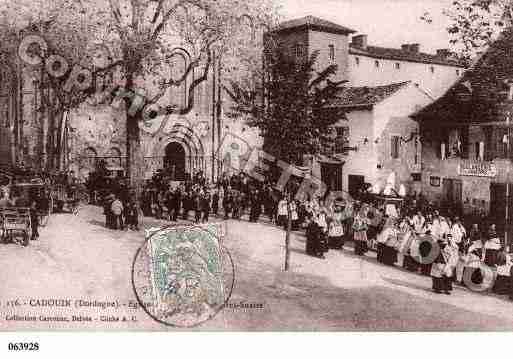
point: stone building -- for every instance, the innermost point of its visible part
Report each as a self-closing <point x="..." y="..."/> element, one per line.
<point x="382" y="138"/>
<point x="22" y="131"/>
<point x="376" y="136"/>
<point x="465" y="135"/>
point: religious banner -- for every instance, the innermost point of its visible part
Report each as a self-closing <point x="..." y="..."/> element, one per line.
<point x="477" y="168"/>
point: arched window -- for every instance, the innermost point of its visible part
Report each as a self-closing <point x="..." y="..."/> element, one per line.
<point x="114" y="157"/>
<point x="178" y="62"/>
<point x="90" y="157"/>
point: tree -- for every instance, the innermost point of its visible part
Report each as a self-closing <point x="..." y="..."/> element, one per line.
<point x="295" y="117"/>
<point x="53" y="21"/>
<point x="291" y="108"/>
<point x="140" y="36"/>
<point x="474" y="24"/>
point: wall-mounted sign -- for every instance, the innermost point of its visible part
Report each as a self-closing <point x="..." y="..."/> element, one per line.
<point x="477" y="168"/>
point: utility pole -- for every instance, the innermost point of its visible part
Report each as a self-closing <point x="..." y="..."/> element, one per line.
<point x="508" y="129"/>
<point x="506" y="225"/>
<point x="214" y="117"/>
<point x="287" y="234"/>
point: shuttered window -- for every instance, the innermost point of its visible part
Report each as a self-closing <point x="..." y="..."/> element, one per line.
<point x="394" y="147"/>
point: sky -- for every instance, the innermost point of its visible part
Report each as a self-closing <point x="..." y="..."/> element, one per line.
<point x="388" y="23"/>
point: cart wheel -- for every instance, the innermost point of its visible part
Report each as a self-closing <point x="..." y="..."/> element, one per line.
<point x="25" y="239"/>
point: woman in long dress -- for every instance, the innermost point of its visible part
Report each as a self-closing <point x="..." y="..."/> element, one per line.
<point x="336" y="230"/>
<point x="382" y="238"/>
<point x="502" y="282"/>
<point x="389" y="250"/>
<point x="408" y="236"/>
<point x="312" y="236"/>
<point x="360" y="233"/>
<point x="492" y="247"/>
<point x="473" y="261"/>
<point x="439" y="271"/>
<point x="322" y="222"/>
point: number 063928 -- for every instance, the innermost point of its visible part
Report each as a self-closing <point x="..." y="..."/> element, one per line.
<point x="23" y="346"/>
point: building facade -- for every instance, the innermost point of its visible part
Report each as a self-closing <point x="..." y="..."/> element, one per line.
<point x="466" y="138"/>
<point x="22" y="125"/>
<point x="375" y="137"/>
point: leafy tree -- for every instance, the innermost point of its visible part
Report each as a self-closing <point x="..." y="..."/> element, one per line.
<point x="294" y="114"/>
<point x="141" y="37"/>
<point x="474" y="24"/>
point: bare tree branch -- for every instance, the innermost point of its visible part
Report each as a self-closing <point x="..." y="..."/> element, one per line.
<point x="171" y="82"/>
<point x="109" y="67"/>
<point x="165" y="19"/>
<point x="195" y="84"/>
<point x="158" y="10"/>
<point x="117" y="17"/>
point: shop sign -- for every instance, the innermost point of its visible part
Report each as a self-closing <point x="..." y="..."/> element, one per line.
<point x="477" y="168"/>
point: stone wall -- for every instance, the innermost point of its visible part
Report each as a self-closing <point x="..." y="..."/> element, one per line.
<point x="475" y="190"/>
<point x="320" y="41"/>
<point x="365" y="73"/>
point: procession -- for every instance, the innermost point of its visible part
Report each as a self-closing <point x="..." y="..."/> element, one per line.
<point x="257" y="165"/>
<point x="403" y="231"/>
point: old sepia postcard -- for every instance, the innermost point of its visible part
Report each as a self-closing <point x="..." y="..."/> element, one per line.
<point x="263" y="165"/>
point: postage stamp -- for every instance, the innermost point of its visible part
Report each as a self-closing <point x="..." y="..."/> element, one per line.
<point x="180" y="273"/>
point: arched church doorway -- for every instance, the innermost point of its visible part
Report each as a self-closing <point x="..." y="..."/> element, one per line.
<point x="174" y="161"/>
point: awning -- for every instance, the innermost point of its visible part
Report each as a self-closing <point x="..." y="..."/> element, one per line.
<point x="300" y="171"/>
<point x="335" y="160"/>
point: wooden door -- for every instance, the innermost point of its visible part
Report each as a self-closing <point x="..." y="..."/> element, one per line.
<point x="354" y="184"/>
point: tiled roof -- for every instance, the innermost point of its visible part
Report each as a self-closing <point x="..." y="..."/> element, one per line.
<point x="313" y="22"/>
<point x="481" y="93"/>
<point x="366" y="96"/>
<point x="403" y="55"/>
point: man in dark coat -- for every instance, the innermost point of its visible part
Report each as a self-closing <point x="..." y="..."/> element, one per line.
<point x="196" y="203"/>
<point x="215" y="202"/>
<point x="205" y="206"/>
<point x="227" y="203"/>
<point x="186" y="200"/>
<point x="176" y="201"/>
<point x="255" y="203"/>
<point x="107" y="204"/>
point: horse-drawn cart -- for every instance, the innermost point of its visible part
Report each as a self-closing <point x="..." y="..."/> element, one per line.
<point x="41" y="193"/>
<point x="68" y="197"/>
<point x="16" y="225"/>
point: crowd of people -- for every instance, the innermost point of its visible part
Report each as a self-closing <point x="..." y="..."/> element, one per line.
<point x="403" y="233"/>
<point x="417" y="240"/>
<point x="22" y="187"/>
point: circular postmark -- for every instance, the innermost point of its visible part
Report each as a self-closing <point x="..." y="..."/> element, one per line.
<point x="182" y="276"/>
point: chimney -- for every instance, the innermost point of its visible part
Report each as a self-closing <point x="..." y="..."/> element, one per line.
<point x="443" y="53"/>
<point x="414" y="48"/>
<point x="359" y="41"/>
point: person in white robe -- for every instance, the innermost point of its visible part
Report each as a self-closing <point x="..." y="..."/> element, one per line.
<point x="383" y="237"/>
<point x="419" y="222"/>
<point x="445" y="228"/>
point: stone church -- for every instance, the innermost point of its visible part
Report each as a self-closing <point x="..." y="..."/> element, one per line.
<point x="375" y="138"/>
